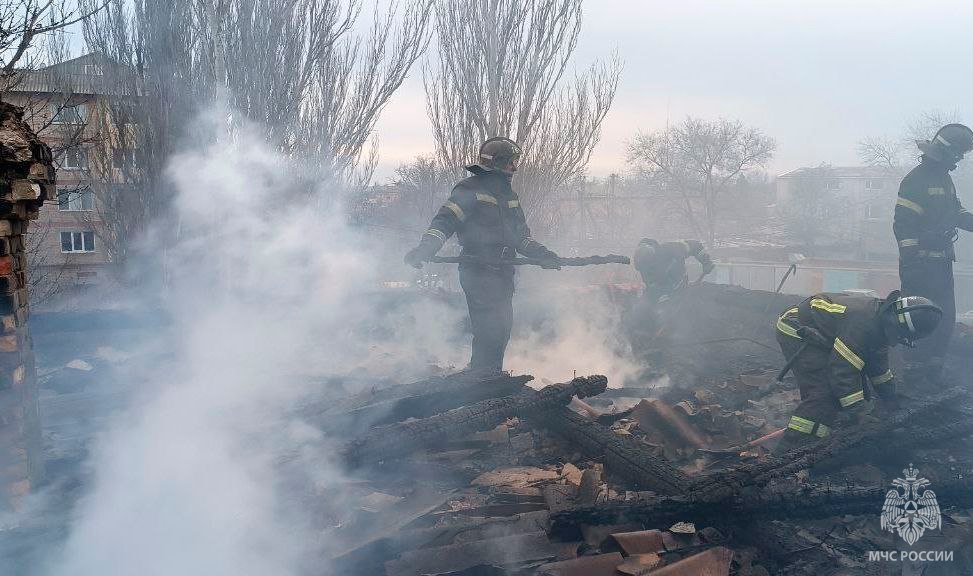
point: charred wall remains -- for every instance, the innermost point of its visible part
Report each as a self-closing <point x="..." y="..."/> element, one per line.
<point x="26" y="179"/>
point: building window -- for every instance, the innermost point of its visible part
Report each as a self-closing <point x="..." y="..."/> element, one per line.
<point x="64" y="114"/>
<point x="834" y="184"/>
<point x="74" y="159"/>
<point x="873" y="184"/>
<point x="124" y="160"/>
<point x="77" y="242"/>
<point x="71" y="200"/>
<point x="94" y="70"/>
<point x="878" y="210"/>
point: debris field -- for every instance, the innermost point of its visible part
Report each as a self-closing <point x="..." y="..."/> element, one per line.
<point x="462" y="475"/>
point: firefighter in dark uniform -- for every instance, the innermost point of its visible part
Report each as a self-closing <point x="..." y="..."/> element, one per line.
<point x="485" y="213"/>
<point x="663" y="265"/>
<point x="927" y="214"/>
<point x="832" y="342"/>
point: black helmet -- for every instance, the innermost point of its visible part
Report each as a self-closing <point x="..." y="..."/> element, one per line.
<point x="909" y="318"/>
<point x="949" y="144"/>
<point x="645" y="253"/>
<point x="497" y="153"/>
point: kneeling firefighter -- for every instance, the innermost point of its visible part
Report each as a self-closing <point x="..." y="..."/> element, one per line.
<point x="662" y="265"/>
<point x="832" y="342"/>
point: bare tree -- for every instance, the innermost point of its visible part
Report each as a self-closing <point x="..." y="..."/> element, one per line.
<point x="46" y="273"/>
<point x="894" y="152"/>
<point x="696" y="163"/>
<point x="293" y="68"/>
<point x="881" y="151"/>
<point x="32" y="33"/>
<point x="25" y="22"/>
<point x="500" y="72"/>
<point x="924" y="125"/>
<point x="423" y="185"/>
<point x="353" y="82"/>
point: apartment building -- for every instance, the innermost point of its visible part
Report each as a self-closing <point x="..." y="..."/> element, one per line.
<point x="854" y="204"/>
<point x="66" y="105"/>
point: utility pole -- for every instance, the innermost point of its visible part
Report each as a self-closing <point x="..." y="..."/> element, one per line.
<point x="613" y="232"/>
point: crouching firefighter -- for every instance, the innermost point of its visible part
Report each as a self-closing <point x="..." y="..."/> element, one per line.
<point x="663" y="266"/>
<point x="833" y="342"/>
<point x="485" y="213"/>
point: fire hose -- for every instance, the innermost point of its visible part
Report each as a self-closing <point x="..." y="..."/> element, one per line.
<point x="561" y="261"/>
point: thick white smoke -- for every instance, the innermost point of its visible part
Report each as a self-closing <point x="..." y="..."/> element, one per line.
<point x="266" y="292"/>
<point x="211" y="473"/>
<point x="574" y="332"/>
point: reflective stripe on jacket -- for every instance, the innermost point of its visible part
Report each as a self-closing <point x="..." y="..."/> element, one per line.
<point x="858" y="346"/>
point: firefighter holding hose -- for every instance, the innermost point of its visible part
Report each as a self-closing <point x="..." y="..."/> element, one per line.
<point x="485" y="213"/>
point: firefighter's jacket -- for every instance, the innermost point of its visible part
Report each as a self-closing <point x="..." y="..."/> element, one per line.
<point x="858" y="346"/>
<point x="485" y="213"/>
<point x="927" y="214"/>
<point x="663" y="265"/>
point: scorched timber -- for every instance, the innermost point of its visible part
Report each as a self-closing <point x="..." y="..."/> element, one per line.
<point x="621" y="455"/>
<point x="396" y="440"/>
<point x="786" y="502"/>
<point x="725" y="484"/>
<point x="356" y="414"/>
<point x="952" y="425"/>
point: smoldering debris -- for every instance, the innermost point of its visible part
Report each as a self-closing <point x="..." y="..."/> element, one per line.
<point x="253" y="455"/>
<point x="682" y="483"/>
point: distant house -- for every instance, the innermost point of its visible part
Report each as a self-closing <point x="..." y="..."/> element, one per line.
<point x="853" y="207"/>
<point x="66" y="104"/>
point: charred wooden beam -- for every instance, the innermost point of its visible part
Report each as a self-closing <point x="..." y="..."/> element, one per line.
<point x="952" y="423"/>
<point x="395" y="440"/>
<point x="726" y="483"/>
<point x="950" y="428"/>
<point x="785" y="502"/>
<point x="375" y="407"/>
<point x="621" y="455"/>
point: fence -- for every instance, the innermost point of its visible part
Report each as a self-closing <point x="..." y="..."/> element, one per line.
<point x="820" y="277"/>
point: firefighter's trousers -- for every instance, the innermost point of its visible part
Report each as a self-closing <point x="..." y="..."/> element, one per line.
<point x="933" y="279"/>
<point x="819" y="408"/>
<point x="489" y="296"/>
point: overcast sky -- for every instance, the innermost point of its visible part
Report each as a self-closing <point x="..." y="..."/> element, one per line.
<point x="817" y="75"/>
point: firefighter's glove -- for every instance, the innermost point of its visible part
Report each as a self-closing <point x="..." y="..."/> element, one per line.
<point x="813" y="336"/>
<point x="550" y="261"/>
<point x="417" y="256"/>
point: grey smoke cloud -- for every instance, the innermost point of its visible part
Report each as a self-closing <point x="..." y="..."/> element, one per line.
<point x="199" y="477"/>
<point x="210" y="472"/>
<point x="575" y="332"/>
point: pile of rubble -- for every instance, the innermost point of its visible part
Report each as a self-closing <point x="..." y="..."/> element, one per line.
<point x="459" y="476"/>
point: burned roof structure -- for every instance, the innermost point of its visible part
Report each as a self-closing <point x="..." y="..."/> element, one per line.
<point x="584" y="478"/>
